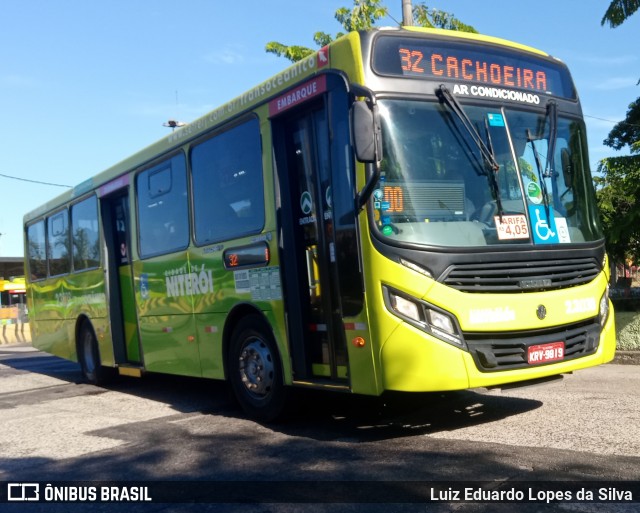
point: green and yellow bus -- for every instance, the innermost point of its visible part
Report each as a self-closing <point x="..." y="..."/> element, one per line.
<point x="403" y="210"/>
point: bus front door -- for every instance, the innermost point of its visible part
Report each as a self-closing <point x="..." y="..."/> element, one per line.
<point x="314" y="316"/>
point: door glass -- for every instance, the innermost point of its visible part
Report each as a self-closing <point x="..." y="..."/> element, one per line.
<point x="120" y="212"/>
<point x="121" y="222"/>
<point x="309" y="161"/>
<point x="302" y="158"/>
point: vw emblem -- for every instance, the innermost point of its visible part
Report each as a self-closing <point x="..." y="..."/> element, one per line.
<point x="541" y="312"/>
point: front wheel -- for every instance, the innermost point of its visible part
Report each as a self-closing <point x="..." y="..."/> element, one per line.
<point x="255" y="370"/>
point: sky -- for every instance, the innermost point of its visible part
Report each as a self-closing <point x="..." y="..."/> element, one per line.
<point x="84" y="84"/>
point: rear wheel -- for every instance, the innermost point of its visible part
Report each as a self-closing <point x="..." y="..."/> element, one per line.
<point x="255" y="371"/>
<point x="89" y="356"/>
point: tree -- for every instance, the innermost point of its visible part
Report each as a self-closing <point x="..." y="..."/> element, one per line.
<point x="618" y="196"/>
<point x="434" y="18"/>
<point x="363" y="16"/>
<point x="619" y="11"/>
<point x="618" y="187"/>
<point x="627" y="132"/>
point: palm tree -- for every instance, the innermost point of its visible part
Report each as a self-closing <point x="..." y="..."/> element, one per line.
<point x="619" y="11"/>
<point x="363" y="15"/>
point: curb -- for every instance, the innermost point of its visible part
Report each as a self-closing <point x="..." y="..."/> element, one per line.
<point x="627" y="358"/>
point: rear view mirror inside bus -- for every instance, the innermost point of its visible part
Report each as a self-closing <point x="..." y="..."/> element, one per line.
<point x="567" y="172"/>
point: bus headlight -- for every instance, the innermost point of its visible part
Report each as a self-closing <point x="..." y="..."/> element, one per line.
<point x="424" y="316"/>
<point x="604" y="307"/>
<point x="405" y="307"/>
<point x="441" y="322"/>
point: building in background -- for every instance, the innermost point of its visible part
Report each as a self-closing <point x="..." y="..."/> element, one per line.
<point x="13" y="308"/>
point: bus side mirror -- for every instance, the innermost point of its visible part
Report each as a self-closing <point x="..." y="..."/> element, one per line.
<point x="367" y="136"/>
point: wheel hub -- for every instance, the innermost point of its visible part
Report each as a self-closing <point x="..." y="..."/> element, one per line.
<point x="256" y="368"/>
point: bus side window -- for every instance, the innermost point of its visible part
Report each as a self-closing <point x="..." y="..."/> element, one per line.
<point x="163" y="214"/>
<point x="228" y="190"/>
<point x="36" y="251"/>
<point x="58" y="253"/>
<point x="85" y="236"/>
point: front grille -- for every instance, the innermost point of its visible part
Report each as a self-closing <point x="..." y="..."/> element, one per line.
<point x="526" y="276"/>
<point x="509" y="351"/>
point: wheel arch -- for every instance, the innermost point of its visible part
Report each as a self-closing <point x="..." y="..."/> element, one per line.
<point x="80" y="323"/>
<point x="236" y="314"/>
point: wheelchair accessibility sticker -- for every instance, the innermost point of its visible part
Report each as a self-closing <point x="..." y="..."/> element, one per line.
<point x="544" y="229"/>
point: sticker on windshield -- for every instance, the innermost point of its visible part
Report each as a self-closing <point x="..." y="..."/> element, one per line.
<point x="563" y="230"/>
<point x="512" y="227"/>
<point x="495" y="119"/>
<point x="534" y="193"/>
<point x="544" y="228"/>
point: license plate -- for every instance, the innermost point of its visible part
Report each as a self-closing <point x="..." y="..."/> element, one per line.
<point x="544" y="353"/>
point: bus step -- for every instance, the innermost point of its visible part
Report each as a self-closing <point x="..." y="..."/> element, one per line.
<point x="323" y="385"/>
<point x="130" y="370"/>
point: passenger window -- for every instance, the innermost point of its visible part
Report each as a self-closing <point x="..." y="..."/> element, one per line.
<point x="163" y="216"/>
<point x="36" y="251"/>
<point x="58" y="242"/>
<point x="228" y="191"/>
<point x="84" y="233"/>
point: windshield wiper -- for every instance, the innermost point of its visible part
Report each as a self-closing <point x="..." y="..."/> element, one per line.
<point x="552" y="115"/>
<point x="486" y="149"/>
<point x="550" y="169"/>
<point x="548" y="172"/>
<point x="541" y="176"/>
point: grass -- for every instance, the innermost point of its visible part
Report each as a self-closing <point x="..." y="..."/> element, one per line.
<point x="628" y="330"/>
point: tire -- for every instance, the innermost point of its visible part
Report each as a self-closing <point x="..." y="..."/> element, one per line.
<point x="255" y="371"/>
<point x="89" y="357"/>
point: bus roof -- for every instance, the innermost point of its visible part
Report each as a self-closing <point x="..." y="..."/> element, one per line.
<point x="454" y="34"/>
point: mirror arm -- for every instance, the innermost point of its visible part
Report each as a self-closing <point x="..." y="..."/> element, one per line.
<point x="363" y="195"/>
<point x="361" y="91"/>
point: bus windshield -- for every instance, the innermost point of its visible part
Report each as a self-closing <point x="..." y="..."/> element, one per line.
<point x="437" y="189"/>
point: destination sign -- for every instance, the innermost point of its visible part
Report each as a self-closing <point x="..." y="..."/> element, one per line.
<point x="472" y="63"/>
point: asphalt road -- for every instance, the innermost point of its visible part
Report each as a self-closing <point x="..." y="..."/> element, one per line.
<point x="53" y="427"/>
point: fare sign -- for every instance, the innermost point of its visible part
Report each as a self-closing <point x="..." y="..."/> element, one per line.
<point x="512" y="227"/>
